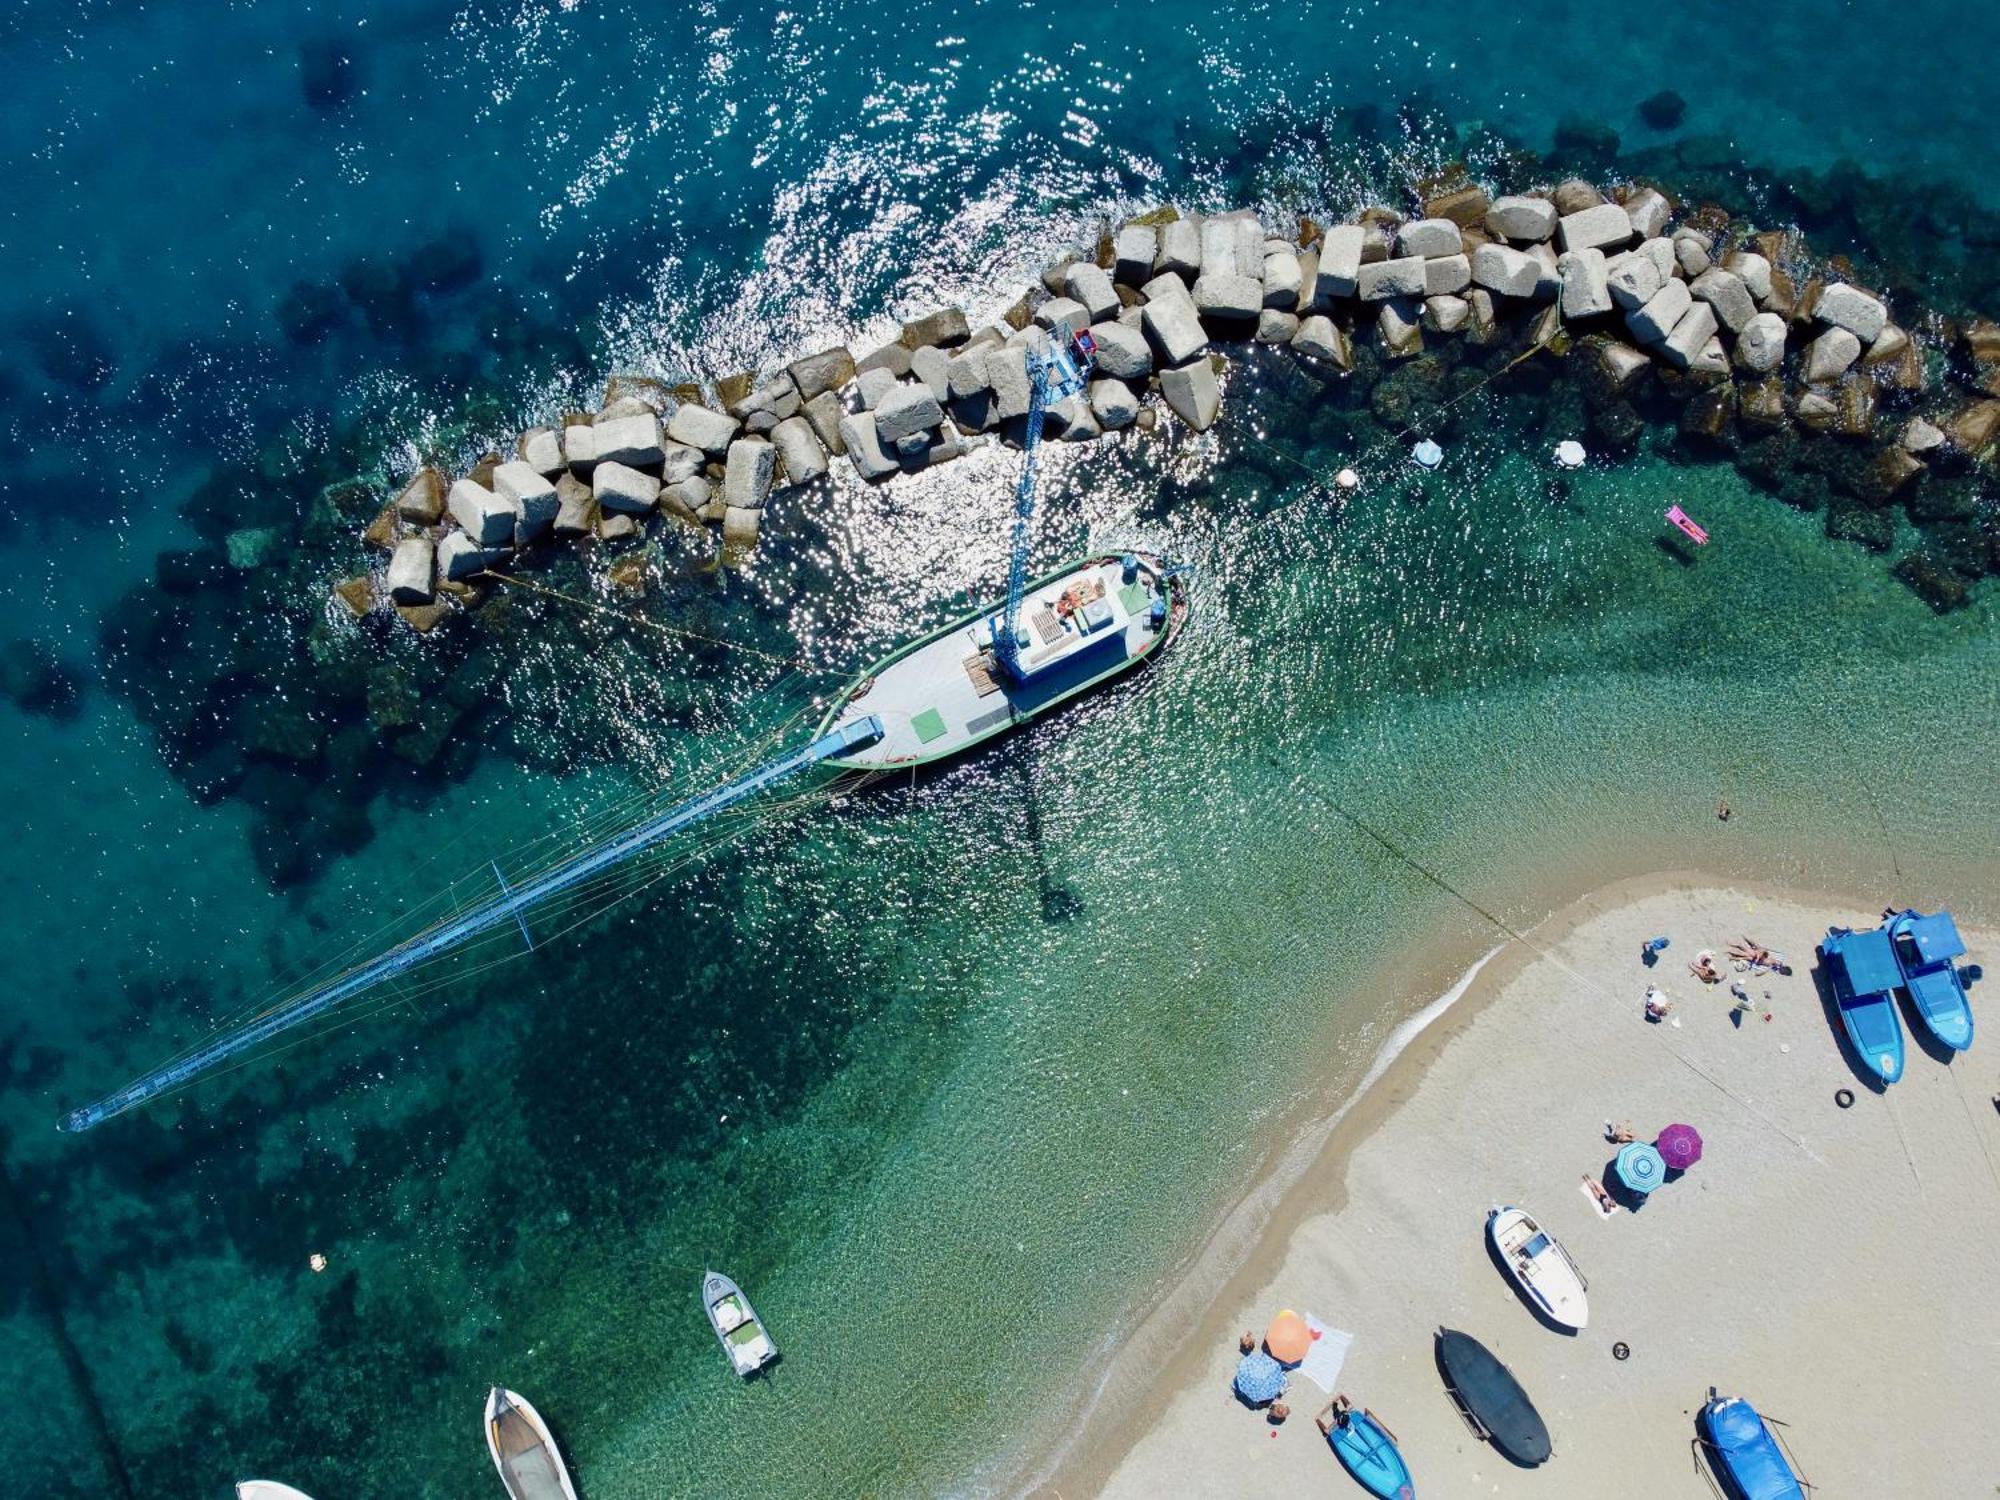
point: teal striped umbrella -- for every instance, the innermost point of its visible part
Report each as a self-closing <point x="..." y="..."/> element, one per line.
<point x="1639" y="1167"/>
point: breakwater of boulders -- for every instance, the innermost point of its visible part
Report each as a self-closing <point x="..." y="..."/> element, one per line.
<point x="1746" y="330"/>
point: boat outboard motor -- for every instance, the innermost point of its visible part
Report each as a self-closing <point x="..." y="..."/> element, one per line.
<point x="1129" y="563"/>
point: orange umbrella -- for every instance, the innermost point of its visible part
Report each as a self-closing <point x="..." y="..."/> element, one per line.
<point x="1288" y="1338"/>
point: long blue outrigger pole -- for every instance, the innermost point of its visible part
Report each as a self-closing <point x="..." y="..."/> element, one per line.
<point x="1052" y="376"/>
<point x="511" y="905"/>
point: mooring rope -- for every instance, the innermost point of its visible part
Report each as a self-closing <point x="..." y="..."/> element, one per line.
<point x="631" y="619"/>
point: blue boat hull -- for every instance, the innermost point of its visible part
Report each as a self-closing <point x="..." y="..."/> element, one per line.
<point x="1937" y="994"/>
<point x="1745" y="1456"/>
<point x="1868" y="1015"/>
<point x="1370" y="1455"/>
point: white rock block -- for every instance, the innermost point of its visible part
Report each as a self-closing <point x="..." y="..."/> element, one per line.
<point x="1633" y="280"/>
<point x="1429" y="238"/>
<point x="1829" y="355"/>
<point x="633" y="440"/>
<point x="1121" y="351"/>
<point x="864" y="446"/>
<point x="1180" y="250"/>
<point x="579" y="448"/>
<point x="1586" y="291"/>
<point x="483" y="515"/>
<point x="1605" y="226"/>
<point x="1754" y="269"/>
<point x="1113" y="403"/>
<point x="1133" y="253"/>
<point x="532" y="497"/>
<point x="932" y="366"/>
<point x="410" y="570"/>
<point x="1690" y="335"/>
<point x="619" y="487"/>
<point x="1065" y="312"/>
<point x="965" y="372"/>
<point x="1447" y="275"/>
<point x="1192" y="393"/>
<point x="1399" y="325"/>
<point x="1091" y="286"/>
<point x="1173" y="329"/>
<point x="1317" y="338"/>
<point x="1402" y="277"/>
<point x="1503" y="269"/>
<point x="1283" y="277"/>
<point x="752" y="465"/>
<point x="1446" y="314"/>
<point x="905" y="410"/>
<point x="1339" y="264"/>
<point x="1648" y="213"/>
<point x="1653" y="322"/>
<point x="459" y="556"/>
<point x="1523" y="219"/>
<point x="698" y="427"/>
<point x="541" y="448"/>
<point x="1760" y="343"/>
<point x="1851" y="308"/>
<point x="1007" y="371"/>
<point x="1228" y="296"/>
<point x="800" y="450"/>
<point x="1725" y="292"/>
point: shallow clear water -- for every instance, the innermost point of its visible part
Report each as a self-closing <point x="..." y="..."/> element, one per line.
<point x="948" y="1075"/>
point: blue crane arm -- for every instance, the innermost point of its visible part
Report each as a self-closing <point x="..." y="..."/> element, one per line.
<point x="1052" y="376"/>
<point x="509" y="906"/>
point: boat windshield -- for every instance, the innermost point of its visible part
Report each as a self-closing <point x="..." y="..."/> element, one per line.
<point x="1535" y="1246"/>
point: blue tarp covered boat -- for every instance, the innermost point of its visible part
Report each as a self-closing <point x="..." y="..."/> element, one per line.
<point x="1368" y="1450"/>
<point x="1744" y="1452"/>
<point x="1862" y="968"/>
<point x="1925" y="948"/>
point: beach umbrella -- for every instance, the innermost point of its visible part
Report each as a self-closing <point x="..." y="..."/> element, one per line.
<point x="1259" y="1378"/>
<point x="1679" y="1146"/>
<point x="1288" y="1338"/>
<point x="1639" y="1167"/>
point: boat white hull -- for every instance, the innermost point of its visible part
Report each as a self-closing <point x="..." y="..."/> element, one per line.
<point x="1540" y="1267"/>
<point x="524" y="1481"/>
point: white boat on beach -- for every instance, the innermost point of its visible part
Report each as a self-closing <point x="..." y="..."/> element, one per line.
<point x="737" y="1326"/>
<point x="1540" y="1266"/>
<point x="531" y="1466"/>
<point x="268" y="1489"/>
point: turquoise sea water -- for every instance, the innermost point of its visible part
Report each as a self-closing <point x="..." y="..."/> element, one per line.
<point x="948" y="1075"/>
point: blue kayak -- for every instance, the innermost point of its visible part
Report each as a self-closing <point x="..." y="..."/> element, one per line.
<point x="1862" y="968"/>
<point x="1745" y="1455"/>
<point x="1365" y="1447"/>
<point x="1925" y="948"/>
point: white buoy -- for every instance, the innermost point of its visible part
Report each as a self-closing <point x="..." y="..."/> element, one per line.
<point x="1428" y="453"/>
<point x="1570" y="454"/>
<point x="1347" y="479"/>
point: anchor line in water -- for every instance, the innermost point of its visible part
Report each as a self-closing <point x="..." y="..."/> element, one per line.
<point x="473" y="923"/>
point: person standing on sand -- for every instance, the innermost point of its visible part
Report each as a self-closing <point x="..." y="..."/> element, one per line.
<point x="1335" y="1415"/>
<point x="1279" y="1411"/>
<point x="1245" y="1344"/>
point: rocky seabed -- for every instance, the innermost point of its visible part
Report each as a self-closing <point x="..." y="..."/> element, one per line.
<point x="1746" y="331"/>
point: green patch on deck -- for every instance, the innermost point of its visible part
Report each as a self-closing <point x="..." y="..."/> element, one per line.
<point x="929" y="725"/>
<point x="1133" y="597"/>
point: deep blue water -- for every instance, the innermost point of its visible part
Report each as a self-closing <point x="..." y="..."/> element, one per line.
<point x="254" y="250"/>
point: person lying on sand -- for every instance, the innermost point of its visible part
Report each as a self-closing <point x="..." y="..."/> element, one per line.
<point x="1704" y="969"/>
<point x="1335" y="1415"/>
<point x="1619" y="1134"/>
<point x="1605" y="1202"/>
<point x="1755" y="954"/>
<point x="1657" y="1003"/>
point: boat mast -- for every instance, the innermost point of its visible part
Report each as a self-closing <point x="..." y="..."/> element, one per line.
<point x="1054" y="374"/>
<point x="511" y="905"/>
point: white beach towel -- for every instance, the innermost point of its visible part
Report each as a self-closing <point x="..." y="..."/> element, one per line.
<point x="1328" y="1353"/>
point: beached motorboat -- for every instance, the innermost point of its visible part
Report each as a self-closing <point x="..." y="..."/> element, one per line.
<point x="737" y="1326"/>
<point x="531" y="1466"/>
<point x="268" y="1489"/>
<point x="1368" y="1451"/>
<point x="1540" y="1266"/>
<point x="1749" y="1461"/>
<point x="1862" y="968"/>
<point x="1925" y="948"/>
<point x="945" y="692"/>
<point x="1492" y="1400"/>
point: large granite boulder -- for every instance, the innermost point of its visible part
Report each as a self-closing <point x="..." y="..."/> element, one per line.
<point x="1065" y="313"/>
<point x="1276" y="327"/>
<point x="1399" y="326"/>
<point x="872" y="385"/>
<point x="1226" y="296"/>
<point x="1113" y="404"/>
<point x="1606" y="226"/>
<point x="965" y="371"/>
<point x="946" y="328"/>
<point x="698" y="427"/>
<point x="1402" y="277"/>
<point x="1133" y="253"/>
<point x="932" y="366"/>
<point x="1174" y="330"/>
<point x="483" y="515"/>
<point x="1122" y="352"/>
<point x="1573" y="195"/>
<point x="1007" y="373"/>
<point x="1692" y="251"/>
<point x="1648" y="213"/>
<point x="1522" y="219"/>
<point x="576" y="508"/>
<point x="1447" y="275"/>
<point x="828" y="370"/>
<point x="580" y="448"/>
<point x="864" y="446"/>
<point x="1653" y="322"/>
<point x="619" y="487"/>
<point x="1445" y="314"/>
<point x="410" y="568"/>
<point x="800" y="450"/>
<point x="1339" y="264"/>
<point x="1725" y="292"/>
<point x="633" y="439"/>
<point x="1754" y="269"/>
<point x="541" y="449"/>
<point x="1689" y="338"/>
<point x="1091" y="286"/>
<point x="1503" y="269"/>
<point x="1180" y="250"/>
<point x="1585" y="292"/>
<point x="1192" y="394"/>
<point x="825" y="412"/>
<point x="532" y="498"/>
<point x="421" y="501"/>
<point x="1829" y="356"/>
<point x="1760" y="343"/>
<point x="459" y="557"/>
<point x="1283" y="276"/>
<point x="1851" y="308"/>
<point x="1428" y="238"/>
<point x="1319" y="339"/>
<point x="907" y="409"/>
<point x="749" y="471"/>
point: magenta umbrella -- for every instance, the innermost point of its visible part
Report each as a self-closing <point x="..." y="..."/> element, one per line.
<point x="1679" y="1146"/>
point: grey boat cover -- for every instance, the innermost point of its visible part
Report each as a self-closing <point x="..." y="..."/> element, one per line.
<point x="1489" y="1391"/>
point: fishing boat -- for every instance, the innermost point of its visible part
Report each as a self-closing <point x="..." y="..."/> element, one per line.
<point x="531" y="1466"/>
<point x="1491" y="1399"/>
<point x="1368" y="1451"/>
<point x="737" y="1327"/>
<point x="944" y="693"/>
<point x="1750" y="1462"/>
<point x="1540" y="1267"/>
<point x="1925" y="948"/>
<point x="268" y="1489"/>
<point x="1862" y="968"/>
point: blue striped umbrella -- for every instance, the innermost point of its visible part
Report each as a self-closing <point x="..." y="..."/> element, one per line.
<point x="1639" y="1167"/>
<point x="1259" y="1378"/>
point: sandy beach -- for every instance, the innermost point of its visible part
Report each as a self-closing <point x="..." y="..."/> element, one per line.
<point x="1834" y="1265"/>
